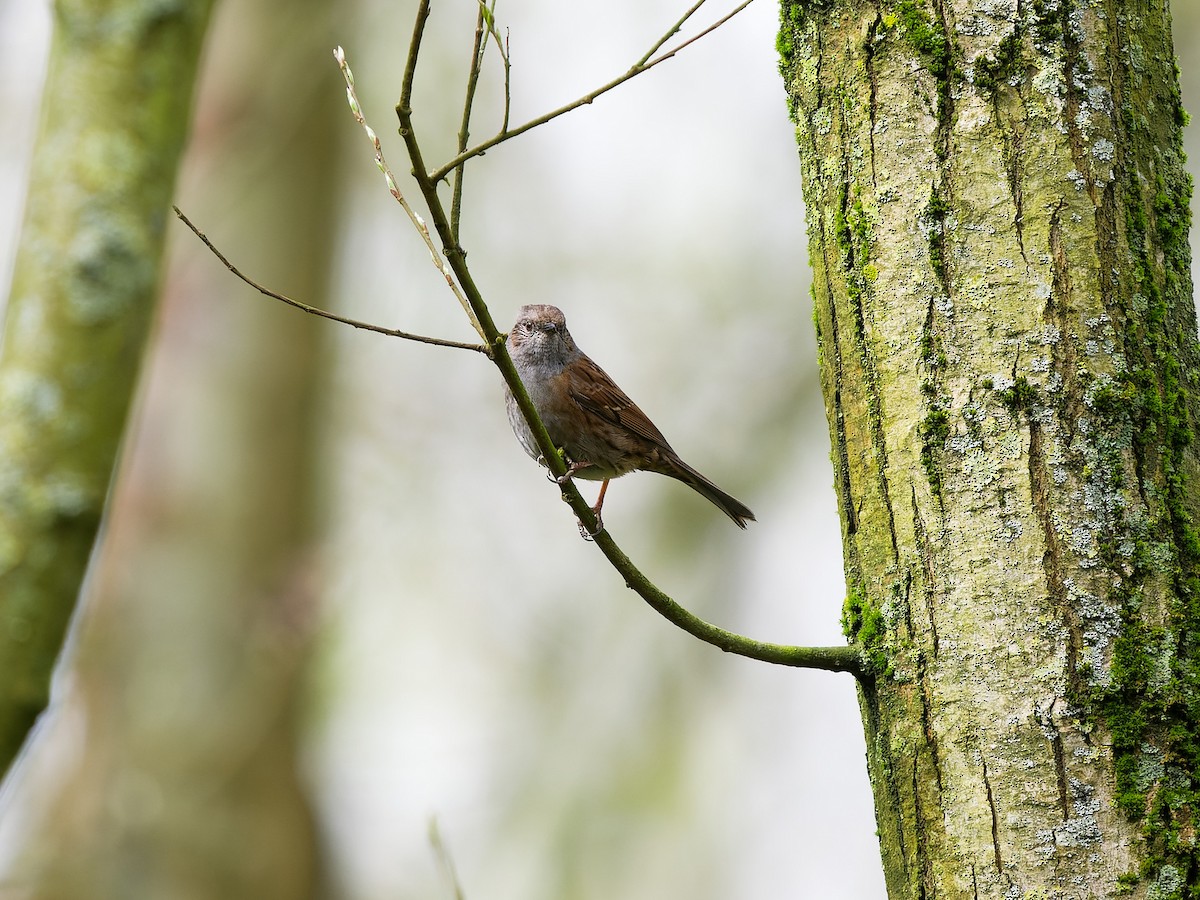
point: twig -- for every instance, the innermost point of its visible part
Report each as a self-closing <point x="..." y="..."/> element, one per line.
<point x="503" y="49"/>
<point x="456" y="258"/>
<point x="834" y="659"/>
<point x="324" y="314"/>
<point x="674" y="30"/>
<point x="393" y="188"/>
<point x="464" y="131"/>
<point x="637" y="69"/>
<point x="445" y="860"/>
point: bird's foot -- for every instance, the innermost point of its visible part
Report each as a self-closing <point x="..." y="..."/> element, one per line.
<point x="591" y="535"/>
<point x="571" y="470"/>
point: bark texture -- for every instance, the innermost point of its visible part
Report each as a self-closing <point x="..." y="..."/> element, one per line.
<point x="114" y="116"/>
<point x="998" y="220"/>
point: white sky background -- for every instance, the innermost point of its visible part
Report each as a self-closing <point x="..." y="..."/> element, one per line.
<point x="520" y="675"/>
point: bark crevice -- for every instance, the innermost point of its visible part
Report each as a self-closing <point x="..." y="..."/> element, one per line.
<point x="987" y="784"/>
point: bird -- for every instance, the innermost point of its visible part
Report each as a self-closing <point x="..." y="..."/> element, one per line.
<point x="602" y="432"/>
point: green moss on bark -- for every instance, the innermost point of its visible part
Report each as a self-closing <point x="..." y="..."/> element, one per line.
<point x="1150" y="703"/>
<point x="115" y="114"/>
<point x="863" y="624"/>
<point x="993" y="72"/>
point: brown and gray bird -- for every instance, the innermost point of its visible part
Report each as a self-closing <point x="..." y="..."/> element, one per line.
<point x="602" y="431"/>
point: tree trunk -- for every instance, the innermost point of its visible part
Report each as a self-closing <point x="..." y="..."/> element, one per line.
<point x="115" y="111"/>
<point x="170" y="765"/>
<point x="998" y="227"/>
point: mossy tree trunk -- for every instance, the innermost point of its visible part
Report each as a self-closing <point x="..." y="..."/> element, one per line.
<point x="115" y="111"/>
<point x="998" y="227"/>
<point x="170" y="765"/>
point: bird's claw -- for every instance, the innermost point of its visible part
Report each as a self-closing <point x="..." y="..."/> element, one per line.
<point x="572" y="468"/>
<point x="591" y="535"/>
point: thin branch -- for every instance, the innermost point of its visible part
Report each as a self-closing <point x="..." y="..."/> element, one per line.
<point x="485" y="20"/>
<point x="414" y="51"/>
<point x="637" y="69"/>
<point x="455" y="257"/>
<point x="464" y="131"/>
<point x="365" y="326"/>
<point x="834" y="659"/>
<point x="394" y="189"/>
<point x="674" y="30"/>
<point x="503" y="48"/>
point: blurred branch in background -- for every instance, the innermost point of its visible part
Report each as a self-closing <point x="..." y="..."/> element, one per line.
<point x="115" y="112"/>
<point x="445" y="860"/>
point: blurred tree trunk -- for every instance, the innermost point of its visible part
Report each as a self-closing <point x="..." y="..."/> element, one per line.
<point x="115" y="112"/>
<point x="999" y="221"/>
<point x="170" y="767"/>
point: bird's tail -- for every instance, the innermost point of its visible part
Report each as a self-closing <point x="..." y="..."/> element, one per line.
<point x="731" y="506"/>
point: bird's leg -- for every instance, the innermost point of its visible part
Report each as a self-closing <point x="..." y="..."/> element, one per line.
<point x="600" y="503"/>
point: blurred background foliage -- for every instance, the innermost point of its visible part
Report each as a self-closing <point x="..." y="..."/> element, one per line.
<point x="335" y="603"/>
